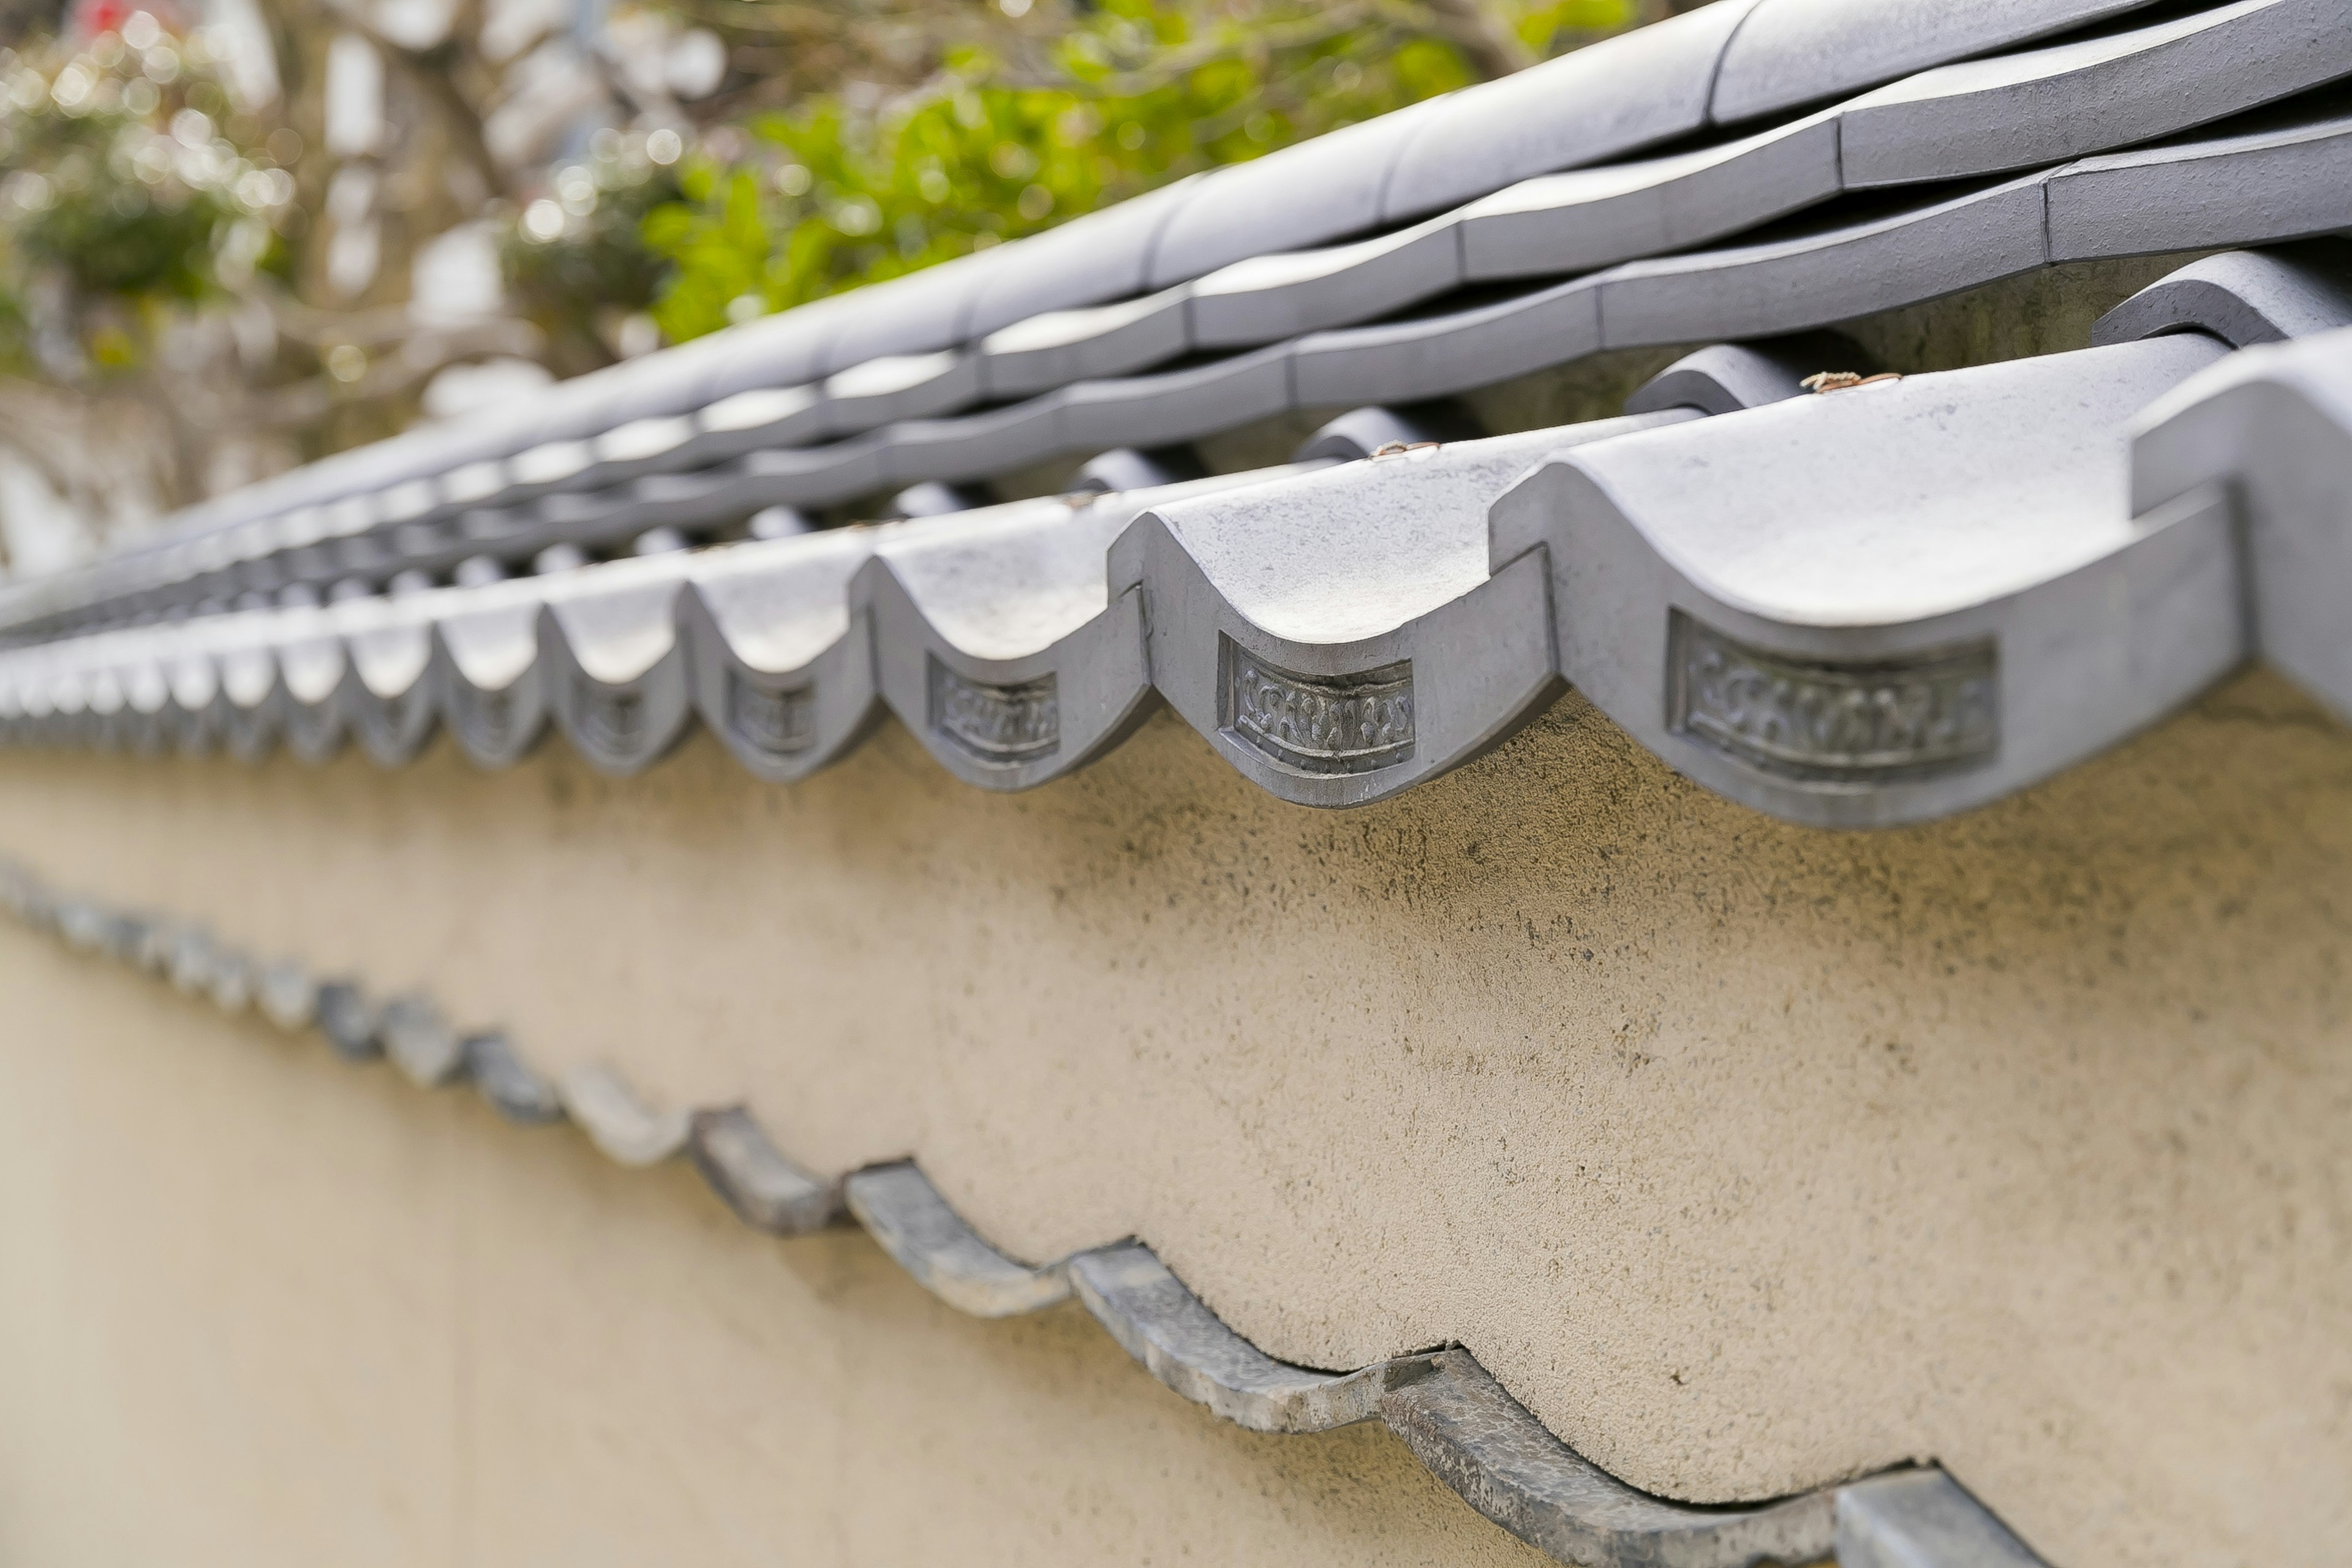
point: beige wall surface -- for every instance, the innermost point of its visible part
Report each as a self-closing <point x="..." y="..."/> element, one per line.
<point x="260" y="1310"/>
<point x="1748" y="1156"/>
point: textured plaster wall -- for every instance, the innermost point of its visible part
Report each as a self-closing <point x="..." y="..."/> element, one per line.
<point x="1748" y="1156"/>
<point x="260" y="1311"/>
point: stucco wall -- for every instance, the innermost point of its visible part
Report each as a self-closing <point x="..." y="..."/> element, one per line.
<point x="260" y="1310"/>
<point x="1748" y="1156"/>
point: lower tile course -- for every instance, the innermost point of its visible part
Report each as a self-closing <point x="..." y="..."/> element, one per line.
<point x="1451" y="1413"/>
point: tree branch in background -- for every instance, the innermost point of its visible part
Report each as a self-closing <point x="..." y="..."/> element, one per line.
<point x="1488" y="42"/>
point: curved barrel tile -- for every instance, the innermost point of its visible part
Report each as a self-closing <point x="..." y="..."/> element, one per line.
<point x="2286" y="178"/>
<point x="766" y="1191"/>
<point x="287" y="995"/>
<point x="1055" y="348"/>
<point x="420" y="1042"/>
<point x="83" y="927"/>
<point x="2242" y="297"/>
<point x="779" y="667"/>
<point x="194" y="716"/>
<point x="1177" y="405"/>
<point x="648" y="444"/>
<point x="179" y="955"/>
<point x="1179" y="1342"/>
<point x="783" y="350"/>
<point x="311" y="667"/>
<point x="908" y="1218"/>
<point x="1615" y="97"/>
<point x="916" y="313"/>
<point x="748" y="421"/>
<point x="229" y="982"/>
<point x="1094" y="257"/>
<point x="899" y="386"/>
<point x="611" y="664"/>
<point x="2017" y="112"/>
<point x="510" y="1084"/>
<point x="1589" y="219"/>
<point x="1891" y="603"/>
<point x="1830" y="273"/>
<point x="1922" y="1518"/>
<point x="1336" y="635"/>
<point x="1361" y="433"/>
<point x="1263" y="298"/>
<point x="126" y="695"/>
<point x="487" y="674"/>
<point x="626" y="1128"/>
<point x="1448" y="351"/>
<point x="387" y="695"/>
<point x="1788" y="53"/>
<point x="974" y="446"/>
<point x="1477" y="1439"/>
<point x="807" y="476"/>
<point x="348" y="1020"/>
<point x="1134" y="469"/>
<point x="997" y="645"/>
<point x="2272" y="428"/>
<point x="997" y="641"/>
<point x="250" y="706"/>
<point x="1309" y="194"/>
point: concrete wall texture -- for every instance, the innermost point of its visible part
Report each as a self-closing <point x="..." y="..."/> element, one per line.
<point x="1749" y="1157"/>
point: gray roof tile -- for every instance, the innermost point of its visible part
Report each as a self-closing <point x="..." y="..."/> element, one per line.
<point x="1827" y="273"/>
<point x="1589" y="219"/>
<point x="1101" y="255"/>
<point x="2272" y="428"/>
<point x="766" y="1190"/>
<point x="1788" y="53"/>
<point x="1888" y="603"/>
<point x="909" y="1219"/>
<point x="624" y="1128"/>
<point x="1317" y="629"/>
<point x="1043" y="351"/>
<point x="1309" y="194"/>
<point x="1447" y="351"/>
<point x="1179" y="1342"/>
<point x="997" y="641"/>
<point x="1473" y="1436"/>
<point x="1598" y="104"/>
<point x="781" y="670"/>
<point x="611" y="664"/>
<point x="1922" y="1516"/>
<point x="1286" y="293"/>
<point x="1177" y="405"/>
<point x="2242" y="297"/>
<point x="2282" y="179"/>
<point x="2016" y="111"/>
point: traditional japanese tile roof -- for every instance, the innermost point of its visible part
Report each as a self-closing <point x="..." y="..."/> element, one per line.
<point x="1846" y="606"/>
<point x="1501" y="230"/>
<point x="1850" y="602"/>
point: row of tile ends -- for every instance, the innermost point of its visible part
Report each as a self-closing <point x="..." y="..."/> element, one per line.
<point x="1837" y="725"/>
<point x="1448" y="1410"/>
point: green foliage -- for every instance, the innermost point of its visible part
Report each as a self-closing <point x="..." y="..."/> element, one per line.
<point x="579" y="252"/>
<point x="1141" y="91"/>
<point x="125" y="196"/>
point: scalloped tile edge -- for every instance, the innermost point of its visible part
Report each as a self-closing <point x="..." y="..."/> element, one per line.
<point x="1450" y="1412"/>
